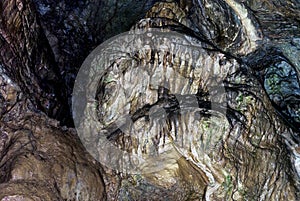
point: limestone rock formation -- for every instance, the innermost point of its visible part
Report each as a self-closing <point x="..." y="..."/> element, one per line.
<point x="208" y="109"/>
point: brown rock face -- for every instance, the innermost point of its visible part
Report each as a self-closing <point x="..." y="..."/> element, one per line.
<point x="175" y="109"/>
<point x="44" y="162"/>
<point x="40" y="160"/>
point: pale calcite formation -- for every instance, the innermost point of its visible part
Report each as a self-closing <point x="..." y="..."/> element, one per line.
<point x="231" y="149"/>
<point x="151" y="107"/>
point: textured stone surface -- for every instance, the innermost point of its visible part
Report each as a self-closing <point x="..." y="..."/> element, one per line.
<point x="40" y="160"/>
<point x="248" y="152"/>
<point x="46" y="163"/>
<point x="204" y="152"/>
<point x="26" y="57"/>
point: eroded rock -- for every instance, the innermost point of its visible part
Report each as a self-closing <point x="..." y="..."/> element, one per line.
<point x="199" y="142"/>
<point x="45" y="160"/>
<point x="160" y="101"/>
<point x="38" y="159"/>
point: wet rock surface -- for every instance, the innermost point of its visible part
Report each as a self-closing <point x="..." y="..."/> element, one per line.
<point x="195" y="150"/>
<point x="40" y="160"/>
<point x="28" y="63"/>
<point x="73" y="29"/>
